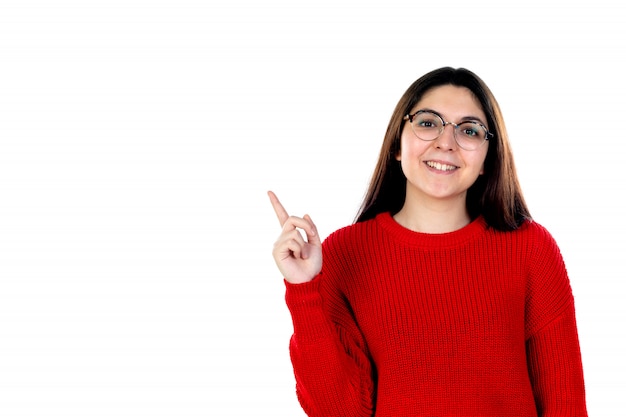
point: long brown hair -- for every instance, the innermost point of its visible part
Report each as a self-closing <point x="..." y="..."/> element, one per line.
<point x="496" y="195"/>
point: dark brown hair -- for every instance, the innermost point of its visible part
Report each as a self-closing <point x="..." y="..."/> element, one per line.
<point x="496" y="195"/>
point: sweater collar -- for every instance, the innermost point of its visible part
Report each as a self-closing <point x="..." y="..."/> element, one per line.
<point x="450" y="239"/>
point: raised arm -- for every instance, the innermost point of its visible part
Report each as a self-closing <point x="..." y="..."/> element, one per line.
<point x="333" y="370"/>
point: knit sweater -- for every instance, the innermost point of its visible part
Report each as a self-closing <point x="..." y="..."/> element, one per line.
<point x="475" y="322"/>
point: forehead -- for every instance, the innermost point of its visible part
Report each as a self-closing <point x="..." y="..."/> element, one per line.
<point x="451" y="101"/>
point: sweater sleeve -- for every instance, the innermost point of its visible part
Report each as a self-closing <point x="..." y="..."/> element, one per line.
<point x="552" y="344"/>
<point x="555" y="369"/>
<point x="334" y="375"/>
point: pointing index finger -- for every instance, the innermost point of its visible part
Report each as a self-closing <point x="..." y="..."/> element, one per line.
<point x="280" y="211"/>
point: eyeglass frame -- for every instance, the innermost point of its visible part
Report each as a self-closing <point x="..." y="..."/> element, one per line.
<point x="409" y="117"/>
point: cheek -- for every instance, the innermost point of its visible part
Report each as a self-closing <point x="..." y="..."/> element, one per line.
<point x="403" y="148"/>
<point x="410" y="146"/>
<point x="405" y="142"/>
<point x="481" y="162"/>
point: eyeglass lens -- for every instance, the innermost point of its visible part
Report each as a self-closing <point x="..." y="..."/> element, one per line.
<point x="429" y="126"/>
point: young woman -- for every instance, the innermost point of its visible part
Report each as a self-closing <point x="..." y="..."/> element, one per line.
<point x="444" y="298"/>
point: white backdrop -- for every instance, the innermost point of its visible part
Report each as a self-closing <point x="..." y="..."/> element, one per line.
<point x="138" y="140"/>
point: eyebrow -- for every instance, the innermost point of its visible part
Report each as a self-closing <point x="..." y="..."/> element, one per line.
<point x="463" y="119"/>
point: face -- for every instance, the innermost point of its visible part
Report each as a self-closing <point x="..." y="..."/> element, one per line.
<point x="440" y="169"/>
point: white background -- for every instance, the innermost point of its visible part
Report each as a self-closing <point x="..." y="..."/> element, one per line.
<point x="138" y="140"/>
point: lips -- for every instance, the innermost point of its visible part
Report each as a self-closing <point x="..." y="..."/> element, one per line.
<point x="441" y="166"/>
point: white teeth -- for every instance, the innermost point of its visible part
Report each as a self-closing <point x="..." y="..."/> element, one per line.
<point x="439" y="166"/>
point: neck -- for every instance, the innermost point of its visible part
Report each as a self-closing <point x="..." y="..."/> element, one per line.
<point x="437" y="218"/>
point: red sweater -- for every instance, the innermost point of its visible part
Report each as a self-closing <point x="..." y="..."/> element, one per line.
<point x="474" y="322"/>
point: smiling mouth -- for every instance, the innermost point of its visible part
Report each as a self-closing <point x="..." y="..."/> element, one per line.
<point x="441" y="167"/>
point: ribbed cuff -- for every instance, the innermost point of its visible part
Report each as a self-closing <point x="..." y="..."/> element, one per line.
<point x="307" y="313"/>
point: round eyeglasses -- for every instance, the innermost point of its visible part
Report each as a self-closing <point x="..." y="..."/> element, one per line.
<point x="469" y="135"/>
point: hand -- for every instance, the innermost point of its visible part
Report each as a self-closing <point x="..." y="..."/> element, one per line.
<point x="297" y="259"/>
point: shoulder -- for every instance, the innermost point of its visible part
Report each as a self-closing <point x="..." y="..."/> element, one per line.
<point x="548" y="289"/>
<point x="545" y="264"/>
<point x="537" y="236"/>
<point x="531" y="244"/>
<point x="529" y="234"/>
<point x="348" y="249"/>
<point x="341" y="253"/>
<point x="351" y="235"/>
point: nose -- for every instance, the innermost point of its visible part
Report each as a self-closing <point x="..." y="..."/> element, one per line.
<point x="446" y="139"/>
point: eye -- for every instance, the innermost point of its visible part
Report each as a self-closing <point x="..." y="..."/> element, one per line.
<point x="427" y="121"/>
<point x="471" y="130"/>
